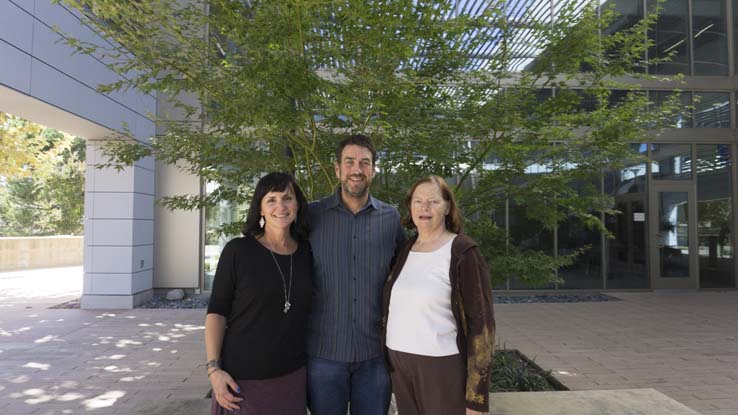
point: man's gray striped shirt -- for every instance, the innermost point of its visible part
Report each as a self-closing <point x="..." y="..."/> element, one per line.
<point x="352" y="256"/>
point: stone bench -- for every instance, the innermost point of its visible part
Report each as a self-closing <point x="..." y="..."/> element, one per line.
<point x="595" y="402"/>
<point x="591" y="402"/>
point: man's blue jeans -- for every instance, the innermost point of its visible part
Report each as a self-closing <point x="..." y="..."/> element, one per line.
<point x="331" y="385"/>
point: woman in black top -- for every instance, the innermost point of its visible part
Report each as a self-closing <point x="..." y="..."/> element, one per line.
<point x="256" y="327"/>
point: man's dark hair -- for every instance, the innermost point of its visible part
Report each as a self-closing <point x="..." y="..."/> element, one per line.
<point x="357" y="140"/>
<point x="278" y="182"/>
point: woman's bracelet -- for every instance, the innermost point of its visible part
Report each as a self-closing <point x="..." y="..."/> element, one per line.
<point x="212" y="364"/>
<point x="217" y="369"/>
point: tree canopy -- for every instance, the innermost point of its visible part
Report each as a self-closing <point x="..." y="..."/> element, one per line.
<point x="514" y="111"/>
<point x="41" y="180"/>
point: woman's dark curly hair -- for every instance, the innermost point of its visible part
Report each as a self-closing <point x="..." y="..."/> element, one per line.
<point x="277" y="182"/>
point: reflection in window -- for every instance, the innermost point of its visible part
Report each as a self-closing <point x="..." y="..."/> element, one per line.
<point x="673" y="234"/>
<point x="528" y="234"/>
<point x="618" y="96"/>
<point x="714" y="213"/>
<point x="712" y="110"/>
<point x="215" y="216"/>
<point x="680" y="120"/>
<point x="627" y="14"/>
<point x="626" y="250"/>
<point x="671" y="161"/>
<point x="709" y="40"/>
<point x="670" y="38"/>
<point x="586" y="271"/>
<point x="735" y="26"/>
<point x="588" y="102"/>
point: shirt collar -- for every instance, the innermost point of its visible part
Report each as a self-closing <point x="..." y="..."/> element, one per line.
<point x="335" y="201"/>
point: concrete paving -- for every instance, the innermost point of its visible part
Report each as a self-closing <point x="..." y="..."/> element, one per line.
<point x="46" y="286"/>
<point x="79" y="361"/>
<point x="60" y="361"/>
<point x="683" y="344"/>
<point x="610" y="402"/>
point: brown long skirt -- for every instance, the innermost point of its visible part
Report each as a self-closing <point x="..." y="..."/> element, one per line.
<point x="428" y="385"/>
<point x="284" y="395"/>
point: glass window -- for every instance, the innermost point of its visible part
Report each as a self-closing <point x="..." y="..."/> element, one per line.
<point x="618" y="96"/>
<point x="671" y="161"/>
<point x="712" y="110"/>
<point x="215" y="216"/>
<point x="714" y="213"/>
<point x="708" y="37"/>
<point x="670" y="38"/>
<point x="586" y="271"/>
<point x="626" y="250"/>
<point x="680" y="120"/>
<point x="735" y="27"/>
<point x="588" y="102"/>
<point x="627" y="14"/>
<point x="673" y="236"/>
<point x="528" y="234"/>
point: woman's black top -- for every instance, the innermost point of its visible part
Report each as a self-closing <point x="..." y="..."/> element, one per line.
<point x="261" y="341"/>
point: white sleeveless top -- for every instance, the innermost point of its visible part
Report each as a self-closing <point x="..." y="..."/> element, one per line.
<point x="420" y="320"/>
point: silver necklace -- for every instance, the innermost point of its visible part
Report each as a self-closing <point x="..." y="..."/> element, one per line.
<point x="287" y="289"/>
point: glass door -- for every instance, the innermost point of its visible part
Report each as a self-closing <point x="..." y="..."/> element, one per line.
<point x="674" y="256"/>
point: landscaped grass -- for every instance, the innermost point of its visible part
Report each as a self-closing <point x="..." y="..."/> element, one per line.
<point x="514" y="372"/>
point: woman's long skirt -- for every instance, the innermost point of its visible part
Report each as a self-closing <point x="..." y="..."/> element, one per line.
<point x="284" y="395"/>
<point x="427" y="385"/>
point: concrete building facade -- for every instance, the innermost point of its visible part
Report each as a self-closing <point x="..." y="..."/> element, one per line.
<point x="41" y="80"/>
<point x="676" y="231"/>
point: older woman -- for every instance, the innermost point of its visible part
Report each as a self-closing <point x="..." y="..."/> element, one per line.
<point x="256" y="327"/>
<point x="438" y="321"/>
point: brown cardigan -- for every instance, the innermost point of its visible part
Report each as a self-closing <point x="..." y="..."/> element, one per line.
<point x="471" y="304"/>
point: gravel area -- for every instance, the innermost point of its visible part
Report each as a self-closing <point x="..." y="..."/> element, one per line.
<point x="553" y="298"/>
<point x="68" y="305"/>
<point x="202" y="301"/>
<point x="187" y="302"/>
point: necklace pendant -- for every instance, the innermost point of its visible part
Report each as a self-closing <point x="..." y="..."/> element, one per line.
<point x="287" y="306"/>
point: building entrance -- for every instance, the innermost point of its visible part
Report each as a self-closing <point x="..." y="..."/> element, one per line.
<point x="673" y="232"/>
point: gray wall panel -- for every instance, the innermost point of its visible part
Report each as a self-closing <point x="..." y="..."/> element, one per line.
<point x="27" y="5"/>
<point x="15" y="69"/>
<point x="51" y="73"/>
<point x="16" y="26"/>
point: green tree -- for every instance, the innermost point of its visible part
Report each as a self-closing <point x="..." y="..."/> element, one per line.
<point x="22" y="208"/>
<point x="43" y="194"/>
<point x="441" y="92"/>
<point x="20" y="143"/>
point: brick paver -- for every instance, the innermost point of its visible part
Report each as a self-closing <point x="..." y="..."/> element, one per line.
<point x="59" y="362"/>
<point x="79" y="361"/>
<point x="683" y="344"/>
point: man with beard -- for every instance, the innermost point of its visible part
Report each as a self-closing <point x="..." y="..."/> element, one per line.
<point x="354" y="238"/>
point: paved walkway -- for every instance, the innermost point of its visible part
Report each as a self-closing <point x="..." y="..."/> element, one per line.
<point x="47" y="286"/>
<point x="59" y="361"/>
<point x="684" y="345"/>
<point x="56" y="361"/>
<point x="79" y="361"/>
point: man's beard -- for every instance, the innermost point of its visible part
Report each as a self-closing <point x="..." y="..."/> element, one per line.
<point x="346" y="187"/>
